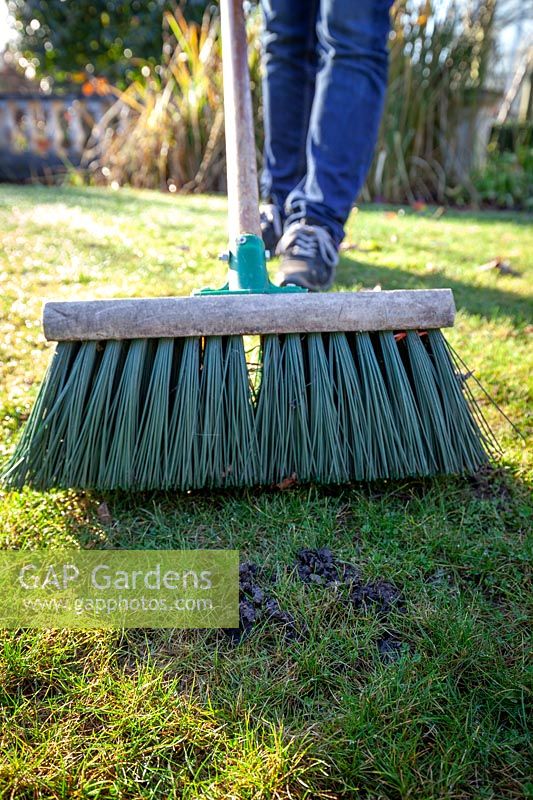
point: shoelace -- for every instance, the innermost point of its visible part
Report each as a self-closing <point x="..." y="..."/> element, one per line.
<point x="270" y="215"/>
<point x="305" y="240"/>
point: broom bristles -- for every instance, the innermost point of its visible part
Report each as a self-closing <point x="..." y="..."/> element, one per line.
<point x="181" y="413"/>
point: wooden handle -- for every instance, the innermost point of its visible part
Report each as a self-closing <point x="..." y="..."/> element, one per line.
<point x="238" y="314"/>
<point x="243" y="194"/>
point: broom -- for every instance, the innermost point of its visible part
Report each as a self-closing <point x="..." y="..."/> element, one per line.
<point x="157" y="393"/>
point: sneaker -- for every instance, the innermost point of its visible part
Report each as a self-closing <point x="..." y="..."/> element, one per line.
<point x="271" y="226"/>
<point x="309" y="256"/>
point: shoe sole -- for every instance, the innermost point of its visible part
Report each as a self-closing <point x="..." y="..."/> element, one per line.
<point x="304" y="284"/>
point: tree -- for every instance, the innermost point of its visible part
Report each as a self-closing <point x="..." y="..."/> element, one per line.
<point x="108" y="38"/>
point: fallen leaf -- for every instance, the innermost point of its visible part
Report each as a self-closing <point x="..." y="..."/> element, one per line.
<point x="104" y="514"/>
<point x="499" y="264"/>
<point x="286" y="483"/>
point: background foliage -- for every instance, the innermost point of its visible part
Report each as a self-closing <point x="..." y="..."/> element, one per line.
<point x="105" y="37"/>
<point x="166" y="131"/>
<point x="437" y="82"/>
<point x="506" y="179"/>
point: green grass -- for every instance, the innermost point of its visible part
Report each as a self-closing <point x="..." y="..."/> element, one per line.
<point x="159" y="714"/>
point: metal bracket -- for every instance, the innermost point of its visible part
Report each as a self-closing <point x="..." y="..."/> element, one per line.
<point x="247" y="272"/>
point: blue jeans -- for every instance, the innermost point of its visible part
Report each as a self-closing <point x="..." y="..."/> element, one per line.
<point x="325" y="80"/>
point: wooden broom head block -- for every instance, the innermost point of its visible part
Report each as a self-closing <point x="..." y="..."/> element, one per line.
<point x="216" y="315"/>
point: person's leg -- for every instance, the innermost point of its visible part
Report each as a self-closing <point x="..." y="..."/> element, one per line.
<point x="347" y="106"/>
<point x="290" y="62"/>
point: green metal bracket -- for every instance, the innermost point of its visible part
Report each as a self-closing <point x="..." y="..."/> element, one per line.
<point x="247" y="272"/>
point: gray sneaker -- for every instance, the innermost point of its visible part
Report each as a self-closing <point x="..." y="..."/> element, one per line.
<point x="271" y="226"/>
<point x="309" y="256"/>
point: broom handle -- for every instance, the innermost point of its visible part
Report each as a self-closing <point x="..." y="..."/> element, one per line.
<point x="243" y="194"/>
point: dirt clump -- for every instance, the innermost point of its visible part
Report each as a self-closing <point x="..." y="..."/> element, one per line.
<point x="382" y="595"/>
<point x="316" y="567"/>
<point x="321" y="567"/>
<point x="255" y="607"/>
<point x="491" y="483"/>
<point x="390" y="648"/>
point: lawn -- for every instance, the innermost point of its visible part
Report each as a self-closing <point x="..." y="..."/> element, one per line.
<point x="417" y="686"/>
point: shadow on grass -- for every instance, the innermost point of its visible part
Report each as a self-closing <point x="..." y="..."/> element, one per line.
<point x="183" y="520"/>
<point x="486" y="301"/>
<point x="433" y="214"/>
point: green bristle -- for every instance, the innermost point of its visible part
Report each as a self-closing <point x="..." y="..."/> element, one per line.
<point x="294" y="410"/>
<point x="270" y="417"/>
<point x="329" y="465"/>
<point x="241" y="444"/>
<point x="486" y="435"/>
<point x="32" y="446"/>
<point x="150" y="464"/>
<point x="88" y="358"/>
<point x="66" y="417"/>
<point x="106" y="429"/>
<point x="386" y="458"/>
<point x="211" y="468"/>
<point x="87" y="452"/>
<point x="461" y="427"/>
<point x="281" y="416"/>
<point x="183" y="428"/>
<point x="125" y="418"/>
<point x="430" y="404"/>
<point x="180" y="414"/>
<point x="348" y="399"/>
<point x="419" y="460"/>
<point x="45" y="418"/>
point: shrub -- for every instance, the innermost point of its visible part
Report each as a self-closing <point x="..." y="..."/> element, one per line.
<point x="71" y="41"/>
<point x="438" y="67"/>
<point x="506" y="180"/>
<point x="167" y="128"/>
